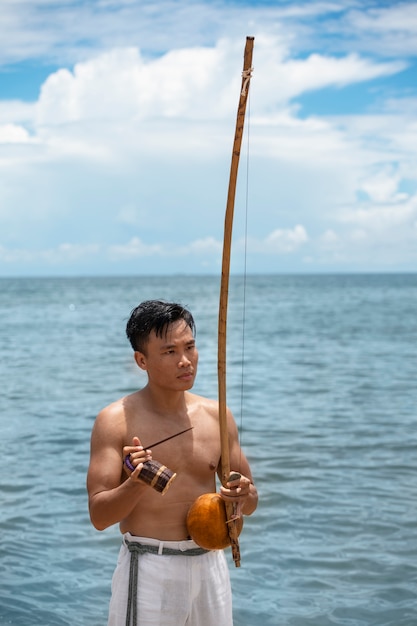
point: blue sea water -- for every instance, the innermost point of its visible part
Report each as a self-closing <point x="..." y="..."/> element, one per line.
<point x="322" y="382"/>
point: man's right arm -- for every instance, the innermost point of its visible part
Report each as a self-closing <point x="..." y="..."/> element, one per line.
<point x="110" y="497"/>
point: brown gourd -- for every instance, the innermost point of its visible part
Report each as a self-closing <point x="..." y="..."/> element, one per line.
<point x="207" y="522"/>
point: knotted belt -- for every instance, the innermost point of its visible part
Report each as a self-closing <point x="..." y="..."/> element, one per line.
<point x="135" y="550"/>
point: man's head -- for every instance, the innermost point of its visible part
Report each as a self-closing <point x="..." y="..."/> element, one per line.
<point x="156" y="316"/>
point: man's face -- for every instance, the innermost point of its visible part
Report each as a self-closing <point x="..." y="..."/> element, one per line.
<point x="171" y="360"/>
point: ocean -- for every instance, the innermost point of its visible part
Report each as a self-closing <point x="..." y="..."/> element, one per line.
<point x="322" y="383"/>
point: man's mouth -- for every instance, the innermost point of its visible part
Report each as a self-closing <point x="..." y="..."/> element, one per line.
<point x="186" y="375"/>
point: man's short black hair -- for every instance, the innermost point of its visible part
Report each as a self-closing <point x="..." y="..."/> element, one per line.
<point x="154" y="315"/>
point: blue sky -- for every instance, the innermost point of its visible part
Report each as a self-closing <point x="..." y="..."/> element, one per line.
<point x="117" y="120"/>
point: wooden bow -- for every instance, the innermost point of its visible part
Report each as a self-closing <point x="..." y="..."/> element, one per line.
<point x="224" y="291"/>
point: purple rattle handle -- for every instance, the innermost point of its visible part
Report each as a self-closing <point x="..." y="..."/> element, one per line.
<point x="129" y="464"/>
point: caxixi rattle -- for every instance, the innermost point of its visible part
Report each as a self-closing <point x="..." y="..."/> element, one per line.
<point x="153" y="473"/>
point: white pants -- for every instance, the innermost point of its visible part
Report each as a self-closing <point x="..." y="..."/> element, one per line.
<point x="173" y="590"/>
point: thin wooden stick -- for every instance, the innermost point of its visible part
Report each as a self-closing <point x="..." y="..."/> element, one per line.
<point x="157" y="443"/>
<point x="224" y="290"/>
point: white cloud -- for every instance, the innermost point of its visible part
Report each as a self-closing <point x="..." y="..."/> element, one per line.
<point x="64" y="32"/>
<point x="16" y="255"/>
<point x="382" y="186"/>
<point x="121" y="85"/>
<point x="329" y="237"/>
<point x="126" y="144"/>
<point x="135" y="248"/>
<point x="379" y="234"/>
<point x="209" y="245"/>
<point x="401" y="17"/>
<point x="119" y="102"/>
<point x="395" y="26"/>
<point x="61" y="33"/>
<point x="386" y="218"/>
<point x="16" y="111"/>
<point x="64" y="253"/>
<point x="279" y="241"/>
<point x="69" y="252"/>
<point x="191" y="83"/>
<point x="295" y="77"/>
<point x="102" y="88"/>
<point x="11" y="133"/>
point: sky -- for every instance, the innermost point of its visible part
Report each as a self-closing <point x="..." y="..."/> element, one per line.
<point x="117" y="120"/>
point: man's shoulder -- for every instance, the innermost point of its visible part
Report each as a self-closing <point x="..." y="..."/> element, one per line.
<point x="113" y="424"/>
<point x="116" y="411"/>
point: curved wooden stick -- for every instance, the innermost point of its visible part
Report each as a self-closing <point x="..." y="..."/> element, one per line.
<point x="224" y="290"/>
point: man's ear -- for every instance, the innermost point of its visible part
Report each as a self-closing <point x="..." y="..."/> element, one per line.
<point x="140" y="360"/>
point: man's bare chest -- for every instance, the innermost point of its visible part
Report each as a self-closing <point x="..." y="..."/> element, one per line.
<point x="179" y="444"/>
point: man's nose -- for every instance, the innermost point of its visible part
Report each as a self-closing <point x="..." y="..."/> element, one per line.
<point x="184" y="360"/>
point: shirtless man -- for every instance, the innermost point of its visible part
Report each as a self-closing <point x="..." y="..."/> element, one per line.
<point x="162" y="577"/>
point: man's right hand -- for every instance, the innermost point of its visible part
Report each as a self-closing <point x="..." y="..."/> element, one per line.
<point x="135" y="456"/>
